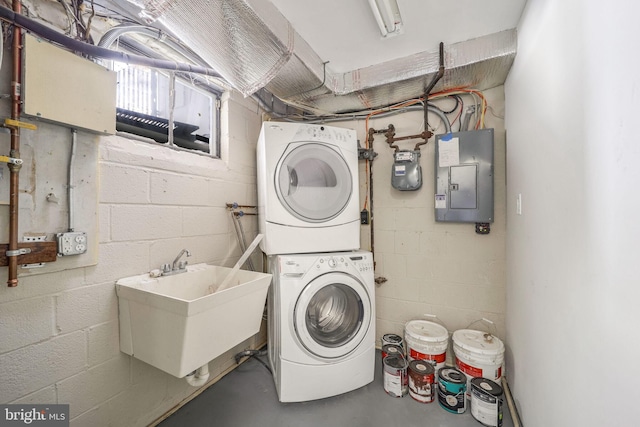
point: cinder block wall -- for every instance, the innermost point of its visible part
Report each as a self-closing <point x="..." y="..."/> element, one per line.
<point x="60" y="330"/>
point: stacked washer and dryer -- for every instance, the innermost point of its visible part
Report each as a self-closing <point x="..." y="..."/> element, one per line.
<point x="321" y="310"/>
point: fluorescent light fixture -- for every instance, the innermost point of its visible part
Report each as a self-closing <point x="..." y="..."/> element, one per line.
<point x="387" y="16"/>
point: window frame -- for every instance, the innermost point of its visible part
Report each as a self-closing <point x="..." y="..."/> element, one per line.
<point x="209" y="89"/>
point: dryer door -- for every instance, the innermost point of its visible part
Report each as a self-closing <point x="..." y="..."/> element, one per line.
<point x="332" y="315"/>
<point x="313" y="182"/>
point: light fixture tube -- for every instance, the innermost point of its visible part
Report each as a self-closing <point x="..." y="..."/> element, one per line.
<point x="387" y="16"/>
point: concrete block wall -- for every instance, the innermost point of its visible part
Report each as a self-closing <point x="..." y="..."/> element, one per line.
<point x="60" y="330"/>
<point x="445" y="269"/>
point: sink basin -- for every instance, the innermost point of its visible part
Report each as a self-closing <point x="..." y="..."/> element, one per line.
<point x="176" y="325"/>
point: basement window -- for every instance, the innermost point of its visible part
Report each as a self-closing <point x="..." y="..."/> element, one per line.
<point x="148" y="100"/>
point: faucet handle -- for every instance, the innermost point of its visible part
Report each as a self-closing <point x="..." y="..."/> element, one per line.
<point x="182" y="265"/>
<point x="166" y="268"/>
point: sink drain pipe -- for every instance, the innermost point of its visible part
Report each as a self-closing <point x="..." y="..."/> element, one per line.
<point x="199" y="377"/>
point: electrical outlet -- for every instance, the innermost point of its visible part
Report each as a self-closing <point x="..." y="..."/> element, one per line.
<point x="72" y="243"/>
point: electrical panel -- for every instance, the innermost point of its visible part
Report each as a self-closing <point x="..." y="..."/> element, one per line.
<point x="464" y="176"/>
<point x="61" y="87"/>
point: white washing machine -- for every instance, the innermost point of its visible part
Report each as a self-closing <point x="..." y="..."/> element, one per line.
<point x="307" y="188"/>
<point x="321" y="324"/>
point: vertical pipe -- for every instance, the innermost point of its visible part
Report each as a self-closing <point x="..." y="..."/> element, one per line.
<point x="427" y="90"/>
<point x="14" y="182"/>
<point x="373" y="253"/>
<point x="71" y="180"/>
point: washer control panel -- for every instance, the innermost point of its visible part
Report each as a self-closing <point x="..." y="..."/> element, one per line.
<point x="361" y="261"/>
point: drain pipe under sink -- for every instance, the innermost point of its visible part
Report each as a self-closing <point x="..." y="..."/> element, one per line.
<point x="199" y="377"/>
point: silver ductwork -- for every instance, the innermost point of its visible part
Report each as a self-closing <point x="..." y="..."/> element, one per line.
<point x="252" y="45"/>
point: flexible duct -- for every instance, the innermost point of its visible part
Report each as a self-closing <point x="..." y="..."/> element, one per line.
<point x="112" y="35"/>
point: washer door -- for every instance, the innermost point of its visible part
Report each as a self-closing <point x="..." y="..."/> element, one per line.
<point x="313" y="182"/>
<point x="332" y="315"/>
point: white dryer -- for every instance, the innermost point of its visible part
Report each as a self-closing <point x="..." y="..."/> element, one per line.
<point x="321" y="324"/>
<point x="307" y="188"/>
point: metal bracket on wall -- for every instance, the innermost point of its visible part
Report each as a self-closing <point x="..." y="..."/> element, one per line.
<point x="29" y="253"/>
<point x="367" y="154"/>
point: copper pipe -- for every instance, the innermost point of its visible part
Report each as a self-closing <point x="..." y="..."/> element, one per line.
<point x="14" y="182"/>
<point x="423" y="135"/>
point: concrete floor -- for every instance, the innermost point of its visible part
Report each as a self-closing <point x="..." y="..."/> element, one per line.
<point x="247" y="397"/>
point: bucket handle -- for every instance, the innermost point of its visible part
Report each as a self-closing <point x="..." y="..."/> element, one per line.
<point x="433" y="316"/>
<point x="489" y="322"/>
<point x="449" y="341"/>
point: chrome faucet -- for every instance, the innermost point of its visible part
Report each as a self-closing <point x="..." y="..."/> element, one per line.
<point x="177" y="266"/>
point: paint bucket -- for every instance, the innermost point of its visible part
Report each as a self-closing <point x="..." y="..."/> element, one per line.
<point x="391" y="350"/>
<point x="426" y="341"/>
<point x="478" y="354"/>
<point x="452" y="385"/>
<point x="395" y="379"/>
<point x="421" y="381"/>
<point x="392" y="339"/>
<point x="486" y="402"/>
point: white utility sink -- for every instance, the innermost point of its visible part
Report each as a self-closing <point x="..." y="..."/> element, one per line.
<point x="175" y="324"/>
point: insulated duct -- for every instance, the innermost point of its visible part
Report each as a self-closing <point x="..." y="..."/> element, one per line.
<point x="253" y="46"/>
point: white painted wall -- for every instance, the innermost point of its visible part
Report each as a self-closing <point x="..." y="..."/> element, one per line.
<point x="60" y="329"/>
<point x="444" y="269"/>
<point x="572" y="154"/>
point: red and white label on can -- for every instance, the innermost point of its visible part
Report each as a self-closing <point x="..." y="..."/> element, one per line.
<point x="468" y="369"/>
<point x="437" y="358"/>
<point x="474" y="371"/>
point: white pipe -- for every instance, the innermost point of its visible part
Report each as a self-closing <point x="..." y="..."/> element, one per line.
<point x="71" y="179"/>
<point x="199" y="377"/>
<point x="515" y="416"/>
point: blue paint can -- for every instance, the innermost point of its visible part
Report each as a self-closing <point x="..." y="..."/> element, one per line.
<point x="452" y="385"/>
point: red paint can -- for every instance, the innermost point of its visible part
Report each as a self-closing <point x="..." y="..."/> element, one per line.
<point x="421" y="381"/>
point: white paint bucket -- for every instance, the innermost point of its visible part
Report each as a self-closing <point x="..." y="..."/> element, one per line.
<point x="478" y="354"/>
<point x="426" y="341"/>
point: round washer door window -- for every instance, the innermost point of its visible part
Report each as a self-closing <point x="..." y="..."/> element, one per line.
<point x="332" y="315"/>
<point x="313" y="182"/>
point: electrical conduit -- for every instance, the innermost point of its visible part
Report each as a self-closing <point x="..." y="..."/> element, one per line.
<point x="100" y="52"/>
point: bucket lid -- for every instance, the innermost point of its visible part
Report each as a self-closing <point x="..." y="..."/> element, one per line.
<point x="396" y="362"/>
<point x="392" y="349"/>
<point x="423" y="330"/>
<point x="421" y="367"/>
<point x="478" y="341"/>
<point x="392" y="339"/>
<point x="487" y="385"/>
<point x="452" y="375"/>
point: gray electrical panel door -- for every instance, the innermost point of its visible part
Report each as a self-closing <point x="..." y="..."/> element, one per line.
<point x="464" y="176"/>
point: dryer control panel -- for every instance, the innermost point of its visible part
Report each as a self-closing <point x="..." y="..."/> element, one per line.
<point x="324" y="134"/>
